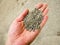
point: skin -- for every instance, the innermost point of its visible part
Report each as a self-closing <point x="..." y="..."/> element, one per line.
<point x="18" y="35"/>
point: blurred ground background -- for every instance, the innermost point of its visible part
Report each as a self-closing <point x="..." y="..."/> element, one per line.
<point x="10" y="9"/>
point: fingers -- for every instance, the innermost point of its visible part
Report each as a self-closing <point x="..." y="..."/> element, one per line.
<point x="22" y="15"/>
<point x="44" y="21"/>
<point x="43" y="7"/>
<point x="45" y="12"/>
<point x="39" y="5"/>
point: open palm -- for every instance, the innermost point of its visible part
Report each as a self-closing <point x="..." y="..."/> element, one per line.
<point x="18" y="35"/>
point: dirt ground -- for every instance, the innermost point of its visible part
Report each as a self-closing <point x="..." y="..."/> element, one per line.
<point x="10" y="9"/>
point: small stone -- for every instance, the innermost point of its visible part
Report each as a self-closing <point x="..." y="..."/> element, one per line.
<point x="33" y="20"/>
<point x="58" y="33"/>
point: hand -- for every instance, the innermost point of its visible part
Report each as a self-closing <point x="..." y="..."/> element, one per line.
<point x="18" y="35"/>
